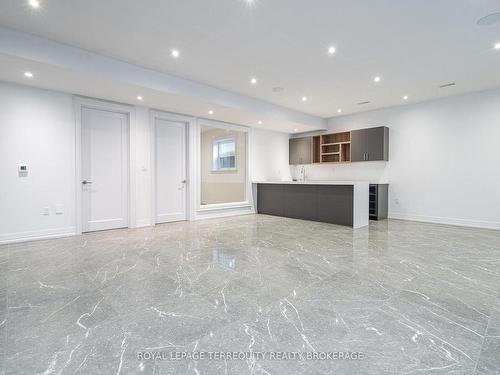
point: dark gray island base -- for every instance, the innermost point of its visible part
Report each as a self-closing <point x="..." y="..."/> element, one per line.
<point x="325" y="202"/>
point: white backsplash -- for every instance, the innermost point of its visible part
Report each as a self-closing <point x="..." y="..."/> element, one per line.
<point x="374" y="172"/>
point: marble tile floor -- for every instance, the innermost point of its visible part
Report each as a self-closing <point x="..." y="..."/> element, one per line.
<point x="413" y="298"/>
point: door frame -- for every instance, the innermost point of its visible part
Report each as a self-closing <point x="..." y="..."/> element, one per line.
<point x="189" y="122"/>
<point x="79" y="104"/>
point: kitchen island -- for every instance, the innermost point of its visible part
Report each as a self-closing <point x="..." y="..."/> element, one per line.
<point x="335" y="202"/>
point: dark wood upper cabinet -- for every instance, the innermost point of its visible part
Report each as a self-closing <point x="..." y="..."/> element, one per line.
<point x="370" y="144"/>
<point x="300" y="150"/>
<point x="358" y="148"/>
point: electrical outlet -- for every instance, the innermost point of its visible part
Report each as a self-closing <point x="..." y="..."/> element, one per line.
<point x="59" y="209"/>
<point x="396" y="200"/>
<point x="46" y="211"/>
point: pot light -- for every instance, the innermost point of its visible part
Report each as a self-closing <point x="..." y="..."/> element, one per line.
<point x="210" y="112"/>
<point x="259" y="122"/>
<point x="405" y="97"/>
<point x="497" y="46"/>
<point x="331" y="50"/>
<point x="304" y="98"/>
<point x="175" y="53"/>
<point x="139" y="97"/>
<point x="295" y="130"/>
<point x="339" y="110"/>
<point x="253" y="81"/>
<point x="28" y="74"/>
<point x="34" y="3"/>
<point x="376" y="79"/>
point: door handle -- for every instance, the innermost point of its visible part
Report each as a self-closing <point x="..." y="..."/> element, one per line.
<point x="85" y="182"/>
<point x="183" y="181"/>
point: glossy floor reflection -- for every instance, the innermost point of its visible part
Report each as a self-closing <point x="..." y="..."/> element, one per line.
<point x="414" y="298"/>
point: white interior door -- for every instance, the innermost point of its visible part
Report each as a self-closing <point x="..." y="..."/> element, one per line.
<point x="170" y="146"/>
<point x="104" y="170"/>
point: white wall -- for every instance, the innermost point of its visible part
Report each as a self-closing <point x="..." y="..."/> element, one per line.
<point x="444" y="159"/>
<point x="37" y="128"/>
<point x="269" y="156"/>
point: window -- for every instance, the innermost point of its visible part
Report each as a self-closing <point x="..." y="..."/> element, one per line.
<point x="224" y="154"/>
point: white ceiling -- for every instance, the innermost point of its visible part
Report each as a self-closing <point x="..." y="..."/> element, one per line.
<point x="413" y="45"/>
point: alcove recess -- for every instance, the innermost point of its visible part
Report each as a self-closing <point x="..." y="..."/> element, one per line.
<point x="332" y="148"/>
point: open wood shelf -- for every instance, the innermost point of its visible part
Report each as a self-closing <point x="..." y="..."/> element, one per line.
<point x="332" y="148"/>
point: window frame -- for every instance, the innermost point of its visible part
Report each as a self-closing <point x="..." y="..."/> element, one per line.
<point x="216" y="160"/>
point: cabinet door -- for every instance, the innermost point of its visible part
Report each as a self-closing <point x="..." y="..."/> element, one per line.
<point x="300" y="150"/>
<point x="375" y="143"/>
<point x="358" y="147"/>
<point x="300" y="201"/>
<point x="270" y="199"/>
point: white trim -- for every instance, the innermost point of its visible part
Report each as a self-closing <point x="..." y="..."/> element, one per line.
<point x="37" y="235"/>
<point x="224" y="209"/>
<point x="224" y="212"/>
<point x="143" y="223"/>
<point x="78" y="104"/>
<point x="189" y="122"/>
<point x="446" y="220"/>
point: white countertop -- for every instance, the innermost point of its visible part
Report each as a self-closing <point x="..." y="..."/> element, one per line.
<point x="313" y="182"/>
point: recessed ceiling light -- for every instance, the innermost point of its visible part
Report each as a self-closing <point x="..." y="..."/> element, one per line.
<point x="34" y="3"/>
<point x="304" y="98"/>
<point x="28" y="74"/>
<point x="405" y="97"/>
<point x="497" y="46"/>
<point x="253" y="81"/>
<point x="331" y="50"/>
<point x="376" y="79"/>
<point x="295" y="130"/>
<point x="210" y="112"/>
<point x="139" y="97"/>
<point x="339" y="110"/>
<point x="259" y="122"/>
<point x="175" y="53"/>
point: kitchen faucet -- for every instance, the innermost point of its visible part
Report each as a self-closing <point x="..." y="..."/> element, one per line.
<point x="302" y="173"/>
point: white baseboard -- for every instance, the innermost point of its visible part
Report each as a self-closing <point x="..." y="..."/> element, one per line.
<point x="223" y="212"/>
<point x="143" y="223"/>
<point x="446" y="220"/>
<point x="37" y="235"/>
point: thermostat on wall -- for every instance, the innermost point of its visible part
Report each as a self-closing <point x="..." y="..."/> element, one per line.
<point x="23" y="168"/>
